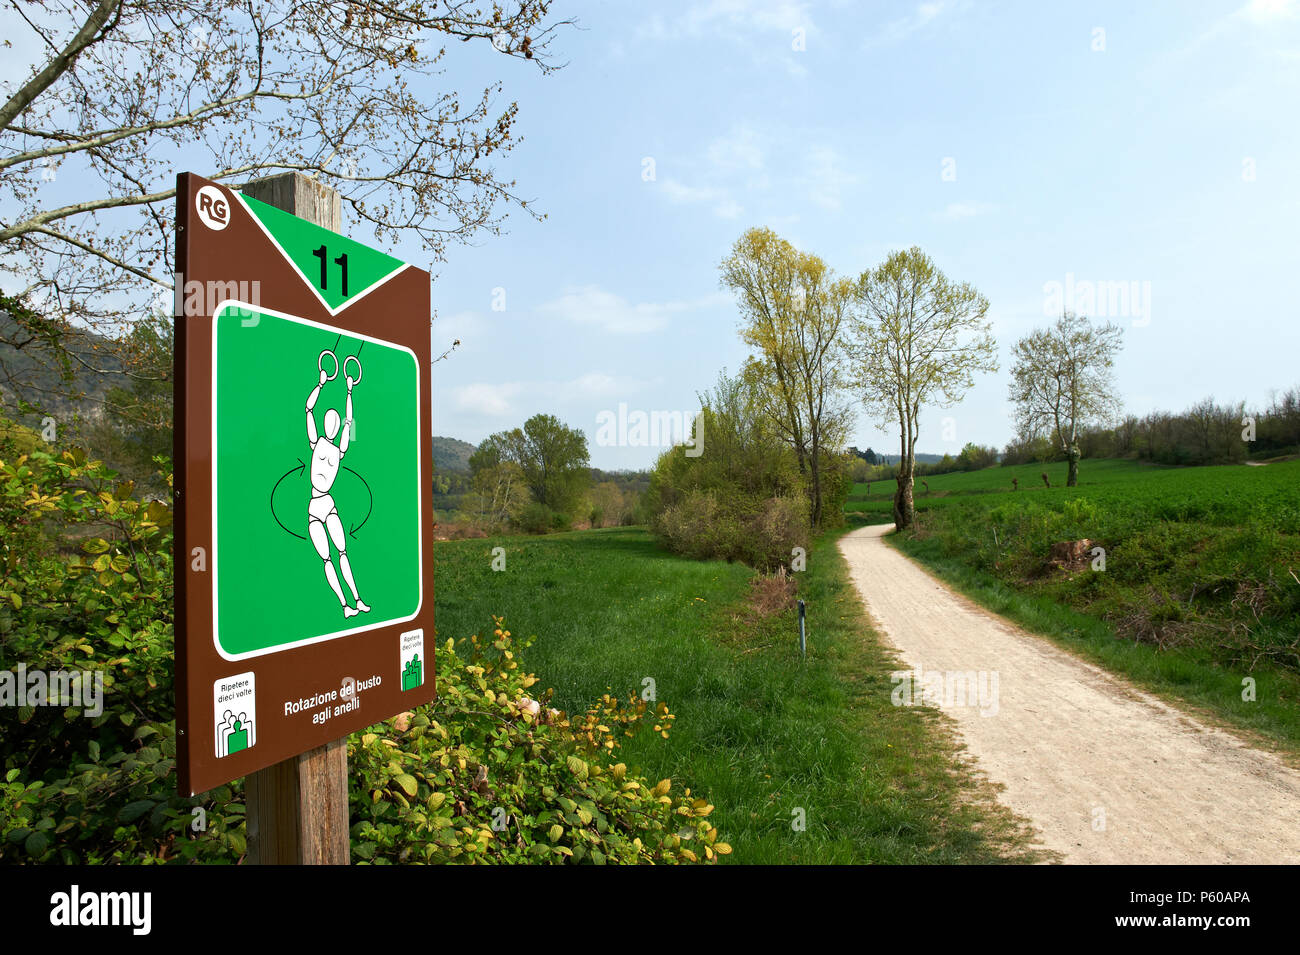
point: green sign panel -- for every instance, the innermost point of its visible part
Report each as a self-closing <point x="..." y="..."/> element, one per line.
<point x="316" y="524"/>
<point x="336" y="268"/>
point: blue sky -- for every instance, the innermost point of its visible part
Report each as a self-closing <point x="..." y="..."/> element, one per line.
<point x="1025" y="146"/>
<point x="1161" y="151"/>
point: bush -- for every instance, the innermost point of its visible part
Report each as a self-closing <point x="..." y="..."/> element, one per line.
<point x="488" y="774"/>
<point x="719" y="504"/>
<point x="87" y="587"/>
<point x="535" y="518"/>
<point x="770" y="537"/>
<point x="764" y="535"/>
<point x="694" y="528"/>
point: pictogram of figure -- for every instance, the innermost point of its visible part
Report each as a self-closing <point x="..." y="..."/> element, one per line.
<point x="323" y="522"/>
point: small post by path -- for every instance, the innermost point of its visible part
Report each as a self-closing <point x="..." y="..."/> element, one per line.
<point x="297" y="810"/>
<point x="803" y="636"/>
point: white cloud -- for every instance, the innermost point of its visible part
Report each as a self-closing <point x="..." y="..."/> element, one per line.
<point x="731" y="162"/>
<point x="1270" y="11"/>
<point x="826" y="177"/>
<point x="509" y="399"/>
<point x="967" y="210"/>
<point x="924" y="15"/>
<point x="1259" y="13"/>
<point x="591" y="305"/>
<point x="763" y="29"/>
<point x="459" y="325"/>
<point x="738" y="151"/>
<point x="783" y="15"/>
<point x="487" y="399"/>
<point x="595" y="384"/>
<point x="728" y="209"/>
<point x="679" y="193"/>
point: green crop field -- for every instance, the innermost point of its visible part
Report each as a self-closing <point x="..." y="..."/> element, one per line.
<point x="770" y="740"/>
<point x="1196" y="595"/>
<point x="873" y="500"/>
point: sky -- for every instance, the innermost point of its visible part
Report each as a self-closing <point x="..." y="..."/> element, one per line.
<point x="1018" y="144"/>
<point x="1031" y="149"/>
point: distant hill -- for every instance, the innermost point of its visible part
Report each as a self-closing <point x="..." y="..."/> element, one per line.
<point x="33" y="374"/>
<point x="451" y="454"/>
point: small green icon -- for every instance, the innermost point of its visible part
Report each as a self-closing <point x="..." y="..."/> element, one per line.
<point x="236" y="733"/>
<point x="413" y="673"/>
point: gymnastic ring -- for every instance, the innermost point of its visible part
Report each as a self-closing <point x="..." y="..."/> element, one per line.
<point x="320" y="364"/>
<point x="357" y="380"/>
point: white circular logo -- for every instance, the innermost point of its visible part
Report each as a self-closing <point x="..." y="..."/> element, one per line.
<point x="213" y="207"/>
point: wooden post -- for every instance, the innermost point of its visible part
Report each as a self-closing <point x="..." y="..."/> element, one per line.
<point x="297" y="810"/>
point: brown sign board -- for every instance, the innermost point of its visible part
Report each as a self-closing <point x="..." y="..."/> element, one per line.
<point x="304" y="501"/>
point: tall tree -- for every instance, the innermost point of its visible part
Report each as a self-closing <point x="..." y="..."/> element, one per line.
<point x="499" y="490"/>
<point x="551" y="456"/>
<point x="1063" y="382"/>
<point x="792" y="311"/>
<point x="919" y="340"/>
<point x="118" y="95"/>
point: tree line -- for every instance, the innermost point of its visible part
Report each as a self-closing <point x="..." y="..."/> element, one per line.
<point x="538" y="478"/>
<point x="1208" y="432"/>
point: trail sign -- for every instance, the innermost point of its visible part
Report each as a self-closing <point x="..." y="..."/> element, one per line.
<point x="304" y="568"/>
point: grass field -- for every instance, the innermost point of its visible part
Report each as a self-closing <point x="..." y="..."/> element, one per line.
<point x="1199" y="589"/>
<point x="768" y="738"/>
<point x="874" y="501"/>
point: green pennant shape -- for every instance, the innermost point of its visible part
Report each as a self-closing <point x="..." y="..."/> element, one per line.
<point x="337" y="268"/>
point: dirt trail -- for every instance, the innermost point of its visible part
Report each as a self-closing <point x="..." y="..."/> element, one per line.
<point x="1071" y="742"/>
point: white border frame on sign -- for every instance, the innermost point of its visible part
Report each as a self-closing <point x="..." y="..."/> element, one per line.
<point x="420" y="480"/>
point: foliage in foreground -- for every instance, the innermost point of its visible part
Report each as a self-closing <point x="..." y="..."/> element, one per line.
<point x="87" y="586"/>
<point x="490" y="774"/>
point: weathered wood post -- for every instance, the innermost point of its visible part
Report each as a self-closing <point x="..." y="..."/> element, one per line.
<point x="297" y="810"/>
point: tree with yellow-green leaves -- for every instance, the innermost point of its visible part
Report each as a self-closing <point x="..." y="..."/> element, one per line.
<point x="919" y="339"/>
<point x="793" y="311"/>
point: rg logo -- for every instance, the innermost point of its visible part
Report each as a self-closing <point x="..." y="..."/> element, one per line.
<point x="213" y="208"/>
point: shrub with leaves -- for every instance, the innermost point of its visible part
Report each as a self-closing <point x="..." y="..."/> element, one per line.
<point x="86" y="586"/>
<point x="742" y="497"/>
<point x="489" y="774"/>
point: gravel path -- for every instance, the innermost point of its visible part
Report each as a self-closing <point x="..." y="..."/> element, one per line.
<point x="1106" y="773"/>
